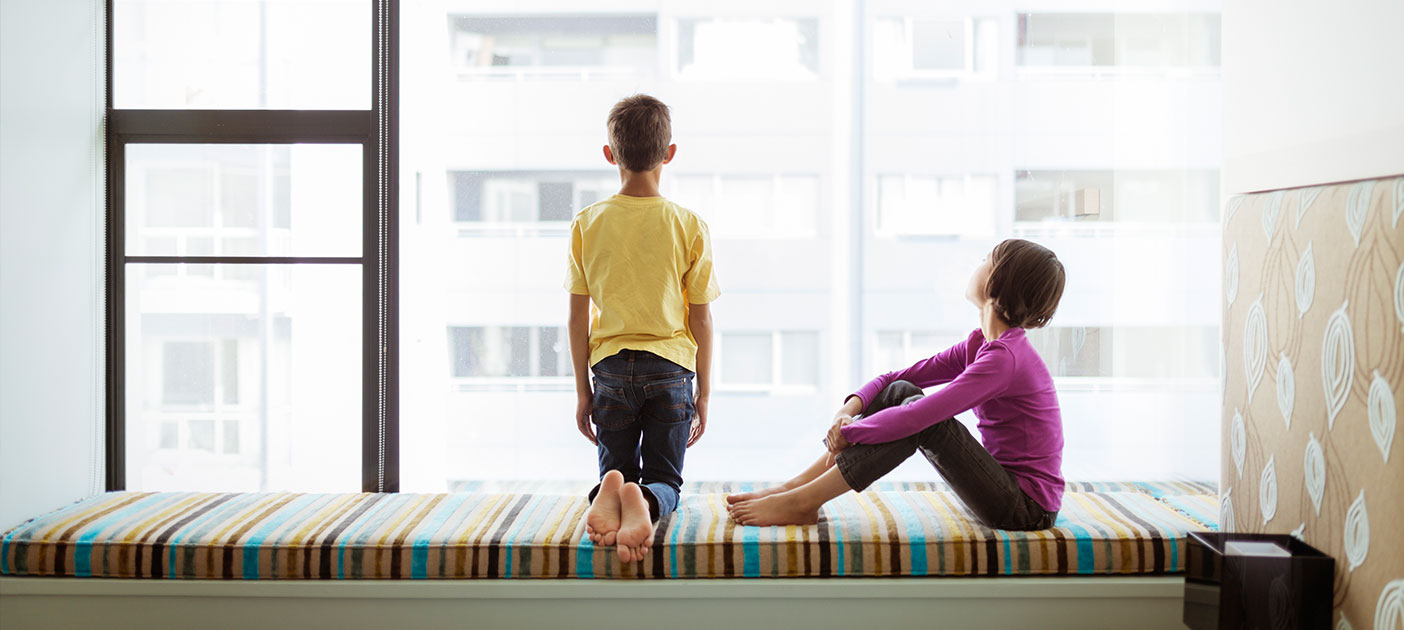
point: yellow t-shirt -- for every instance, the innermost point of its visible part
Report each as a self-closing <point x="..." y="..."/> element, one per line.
<point x="642" y="261"/>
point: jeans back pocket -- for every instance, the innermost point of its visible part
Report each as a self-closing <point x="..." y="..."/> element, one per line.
<point x="670" y="400"/>
<point x="610" y="407"/>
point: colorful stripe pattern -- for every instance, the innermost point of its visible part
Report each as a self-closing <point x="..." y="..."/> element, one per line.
<point x="897" y="529"/>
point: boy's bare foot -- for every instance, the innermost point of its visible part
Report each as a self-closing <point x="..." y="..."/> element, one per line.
<point x="635" y="528"/>
<point x="784" y="508"/>
<point x="602" y="523"/>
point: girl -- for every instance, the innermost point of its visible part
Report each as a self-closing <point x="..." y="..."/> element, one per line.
<point x="1013" y="480"/>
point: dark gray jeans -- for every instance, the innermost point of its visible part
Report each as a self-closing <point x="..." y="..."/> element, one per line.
<point x="985" y="487"/>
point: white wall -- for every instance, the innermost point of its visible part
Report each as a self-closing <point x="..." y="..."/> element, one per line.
<point x="1311" y="92"/>
<point x="51" y="104"/>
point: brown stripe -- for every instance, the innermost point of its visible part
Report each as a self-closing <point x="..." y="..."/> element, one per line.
<point x="397" y="547"/>
<point x="159" y="547"/>
<point x="324" y="571"/>
<point x="229" y="544"/>
<point x="495" y="543"/>
<point x="311" y="549"/>
<point x="1156" y="536"/>
<point x="563" y="569"/>
<point x="895" y="541"/>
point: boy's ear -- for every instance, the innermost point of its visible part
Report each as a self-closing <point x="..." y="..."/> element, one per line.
<point x="672" y="150"/>
<point x="609" y="155"/>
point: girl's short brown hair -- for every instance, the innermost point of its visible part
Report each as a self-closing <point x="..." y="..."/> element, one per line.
<point x="1026" y="283"/>
<point x="640" y="131"/>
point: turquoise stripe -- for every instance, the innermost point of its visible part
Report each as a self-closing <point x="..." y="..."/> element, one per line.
<point x="916" y="536"/>
<point x="1008" y="553"/>
<point x="213" y="517"/>
<point x="277" y="518"/>
<point x="362" y="522"/>
<point x="1082" y="540"/>
<point x="932" y="516"/>
<point x="1109" y="538"/>
<point x="82" y="548"/>
<point x="419" y="549"/>
<point x="750" y="548"/>
<point x="585" y="558"/>
<point x="529" y="514"/>
<point x="837" y="538"/>
<point x="679" y="520"/>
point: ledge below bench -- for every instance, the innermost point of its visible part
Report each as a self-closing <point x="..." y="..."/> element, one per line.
<point x="899" y="529"/>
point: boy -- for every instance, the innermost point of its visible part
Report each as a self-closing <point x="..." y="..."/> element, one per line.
<point x="646" y="264"/>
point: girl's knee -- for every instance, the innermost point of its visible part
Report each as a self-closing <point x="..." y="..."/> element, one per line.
<point x="901" y="390"/>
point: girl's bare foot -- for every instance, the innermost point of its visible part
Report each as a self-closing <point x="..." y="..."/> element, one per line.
<point x="733" y="499"/>
<point x="602" y="523"/>
<point x="819" y="467"/>
<point x="785" y="508"/>
<point x="635" y="528"/>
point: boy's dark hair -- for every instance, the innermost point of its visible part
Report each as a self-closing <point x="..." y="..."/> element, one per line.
<point x="1026" y="283"/>
<point x="640" y="131"/>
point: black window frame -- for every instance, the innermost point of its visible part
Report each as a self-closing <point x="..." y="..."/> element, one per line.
<point x="377" y="131"/>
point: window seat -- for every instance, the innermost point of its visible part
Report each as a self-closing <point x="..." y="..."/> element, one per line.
<point x="897" y="529"/>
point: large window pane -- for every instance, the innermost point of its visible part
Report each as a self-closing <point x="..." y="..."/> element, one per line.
<point x="244" y="385"/>
<point x="843" y="236"/>
<point x="241" y="54"/>
<point x="243" y="200"/>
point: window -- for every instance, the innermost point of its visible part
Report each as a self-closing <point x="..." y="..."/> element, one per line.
<point x="906" y="48"/>
<point x="236" y="54"/>
<point x="250" y="346"/>
<point x="932" y="205"/>
<point x="850" y="190"/>
<point x="575" y="47"/>
<point x="525" y="197"/>
<point x="724" y="48"/>
<point x="505" y="352"/>
<point x="1138" y="41"/>
<point x="768" y="361"/>
<point x="771" y="206"/>
<point x="1121" y="196"/>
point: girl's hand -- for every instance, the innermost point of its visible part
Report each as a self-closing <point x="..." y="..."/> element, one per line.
<point x="584" y="406"/>
<point x="836" y="440"/>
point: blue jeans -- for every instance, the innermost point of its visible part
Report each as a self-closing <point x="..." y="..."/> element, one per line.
<point x="643" y="413"/>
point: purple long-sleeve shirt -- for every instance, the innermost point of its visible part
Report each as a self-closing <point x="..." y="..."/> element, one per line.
<point x="1011" y="391"/>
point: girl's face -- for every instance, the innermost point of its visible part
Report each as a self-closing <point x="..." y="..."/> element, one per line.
<point x="975" y="291"/>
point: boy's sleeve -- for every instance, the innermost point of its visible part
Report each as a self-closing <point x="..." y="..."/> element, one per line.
<point x="699" y="281"/>
<point x="575" y="270"/>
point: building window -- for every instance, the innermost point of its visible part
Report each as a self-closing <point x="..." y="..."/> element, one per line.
<point x="936" y="205"/>
<point x="1127" y="41"/>
<point x="1122" y="196"/>
<point x="906" y="48"/>
<point x="526" y="197"/>
<point x="575" y="47"/>
<point x="732" y="49"/>
<point x="509" y="352"/>
<point x="775" y="206"/>
<point x="768" y="360"/>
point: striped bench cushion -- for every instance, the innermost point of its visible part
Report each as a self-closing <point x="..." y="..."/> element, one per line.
<point x="896" y="529"/>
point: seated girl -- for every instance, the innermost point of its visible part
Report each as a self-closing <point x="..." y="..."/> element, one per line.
<point x="1011" y="481"/>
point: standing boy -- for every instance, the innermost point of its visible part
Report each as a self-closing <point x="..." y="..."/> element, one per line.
<point x="646" y="264"/>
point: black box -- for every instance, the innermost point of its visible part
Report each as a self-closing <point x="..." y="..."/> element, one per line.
<point x="1269" y="592"/>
